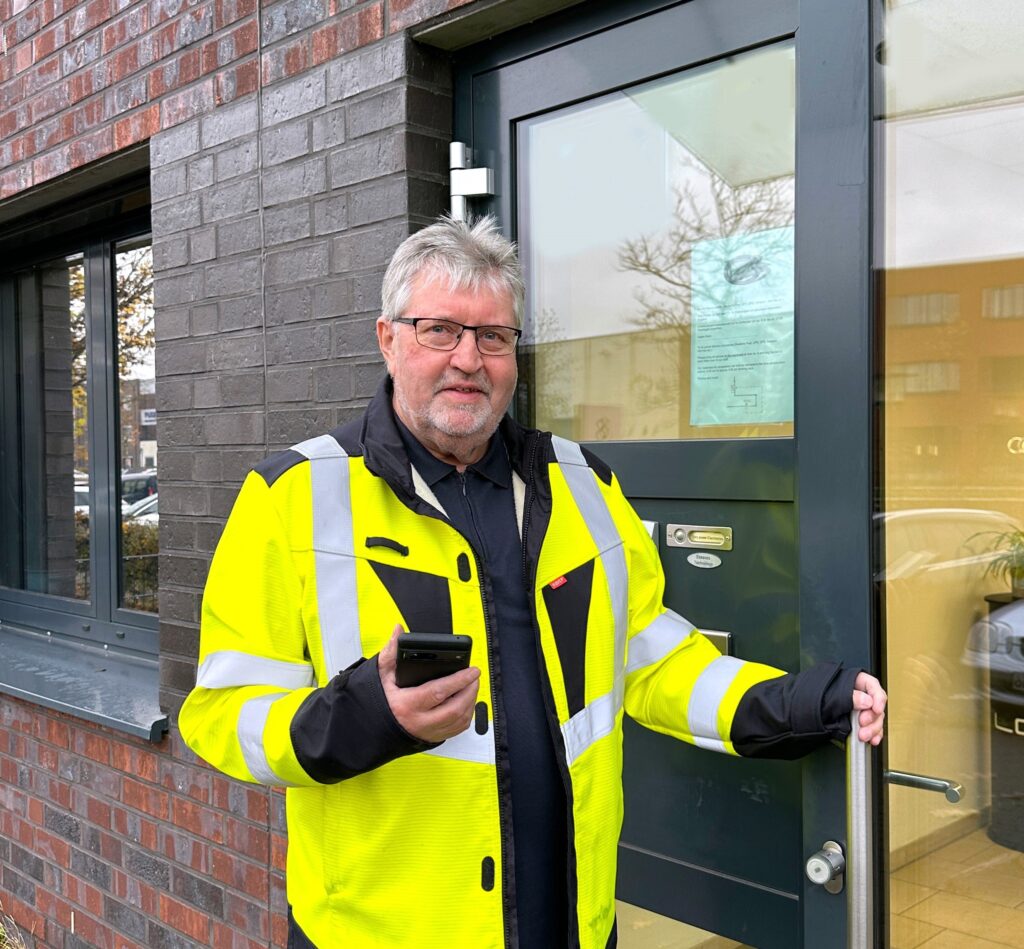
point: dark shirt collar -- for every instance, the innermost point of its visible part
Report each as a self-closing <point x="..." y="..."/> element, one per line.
<point x="494" y="466"/>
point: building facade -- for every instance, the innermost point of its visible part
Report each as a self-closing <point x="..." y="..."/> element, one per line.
<point x="774" y="278"/>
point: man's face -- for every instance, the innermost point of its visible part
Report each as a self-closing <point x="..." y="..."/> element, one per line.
<point x="451" y="401"/>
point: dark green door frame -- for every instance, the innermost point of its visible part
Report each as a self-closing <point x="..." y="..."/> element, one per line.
<point x="834" y="393"/>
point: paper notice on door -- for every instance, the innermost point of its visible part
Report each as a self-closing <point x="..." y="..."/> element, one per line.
<point x="741" y="361"/>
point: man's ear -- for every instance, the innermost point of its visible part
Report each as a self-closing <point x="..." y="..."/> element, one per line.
<point x="386" y="339"/>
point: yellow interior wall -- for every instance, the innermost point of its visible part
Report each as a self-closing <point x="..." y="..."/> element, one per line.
<point x="944" y="450"/>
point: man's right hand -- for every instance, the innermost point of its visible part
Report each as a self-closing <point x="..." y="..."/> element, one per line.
<point x="435" y="710"/>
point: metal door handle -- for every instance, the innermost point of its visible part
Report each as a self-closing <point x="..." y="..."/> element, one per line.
<point x="859" y="852"/>
<point x="953" y="790"/>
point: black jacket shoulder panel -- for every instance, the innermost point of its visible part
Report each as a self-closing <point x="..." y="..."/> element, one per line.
<point x="271" y="468"/>
<point x="597" y="465"/>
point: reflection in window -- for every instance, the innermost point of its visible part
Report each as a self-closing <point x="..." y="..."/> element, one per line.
<point x="658" y="245"/>
<point x="47" y="433"/>
<point x="953" y="121"/>
<point x="1007" y="374"/>
<point x="1003" y="303"/>
<point x="919" y="377"/>
<point x="923" y="309"/>
<point x="137" y="412"/>
<point x="80" y="421"/>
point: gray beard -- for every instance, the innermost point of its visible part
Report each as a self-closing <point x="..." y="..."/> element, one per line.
<point x="437" y="432"/>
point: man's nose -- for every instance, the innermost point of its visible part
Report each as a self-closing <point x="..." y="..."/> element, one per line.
<point x="465" y="355"/>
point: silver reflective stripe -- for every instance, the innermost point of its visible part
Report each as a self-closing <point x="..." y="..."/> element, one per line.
<point x="323" y="446"/>
<point x="614" y="562"/>
<point x="585" y="492"/>
<point x="333" y="546"/>
<point x="711" y="744"/>
<point x="222" y="670"/>
<point x="656" y="641"/>
<point x="467" y="746"/>
<point x="252" y="719"/>
<point x="707" y="695"/>
<point x="598" y="518"/>
<point x="590" y="724"/>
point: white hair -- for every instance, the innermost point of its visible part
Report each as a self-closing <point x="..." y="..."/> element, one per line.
<point x="464" y="255"/>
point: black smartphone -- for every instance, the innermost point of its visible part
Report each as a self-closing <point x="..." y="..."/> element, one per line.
<point x="426" y="656"/>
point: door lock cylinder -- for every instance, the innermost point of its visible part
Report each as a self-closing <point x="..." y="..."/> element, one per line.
<point x="827" y="867"/>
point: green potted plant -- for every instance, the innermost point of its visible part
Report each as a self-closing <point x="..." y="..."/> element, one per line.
<point x="1008" y="562"/>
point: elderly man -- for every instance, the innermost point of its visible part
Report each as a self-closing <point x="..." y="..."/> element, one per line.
<point x="481" y="809"/>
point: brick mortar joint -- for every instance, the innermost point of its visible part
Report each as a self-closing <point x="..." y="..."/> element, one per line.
<point x="143" y="72"/>
<point x="28" y="165"/>
<point x="129" y="40"/>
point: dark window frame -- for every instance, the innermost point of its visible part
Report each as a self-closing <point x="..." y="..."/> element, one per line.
<point x="92" y="226"/>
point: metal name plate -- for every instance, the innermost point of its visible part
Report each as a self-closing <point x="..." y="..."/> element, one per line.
<point x="702" y="537"/>
<point x="704" y="560"/>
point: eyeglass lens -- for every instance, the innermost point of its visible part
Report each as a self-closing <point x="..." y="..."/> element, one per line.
<point x="445" y="334"/>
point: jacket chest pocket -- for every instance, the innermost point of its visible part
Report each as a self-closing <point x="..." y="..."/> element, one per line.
<point x="585" y="609"/>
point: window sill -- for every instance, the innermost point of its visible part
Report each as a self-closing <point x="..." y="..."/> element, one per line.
<point x="101" y="685"/>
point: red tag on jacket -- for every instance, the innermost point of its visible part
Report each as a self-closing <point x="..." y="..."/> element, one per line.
<point x="555" y="584"/>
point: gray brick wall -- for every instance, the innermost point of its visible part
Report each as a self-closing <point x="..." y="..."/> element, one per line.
<point x="273" y="220"/>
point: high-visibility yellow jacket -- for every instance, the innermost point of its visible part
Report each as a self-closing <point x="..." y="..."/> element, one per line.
<point x="394" y="842"/>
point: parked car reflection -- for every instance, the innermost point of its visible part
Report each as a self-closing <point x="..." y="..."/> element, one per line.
<point x="940" y="573"/>
<point x="996" y="643"/>
<point x="942" y="541"/>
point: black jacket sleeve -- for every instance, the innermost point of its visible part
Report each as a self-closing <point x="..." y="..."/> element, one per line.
<point x="791" y="715"/>
<point x="347" y="727"/>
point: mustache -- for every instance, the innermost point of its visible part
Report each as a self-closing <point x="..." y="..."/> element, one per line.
<point x="477" y="380"/>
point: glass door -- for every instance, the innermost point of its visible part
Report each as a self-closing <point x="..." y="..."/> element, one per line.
<point x="952" y="501"/>
<point x="658" y="250"/>
<point x="648" y="170"/>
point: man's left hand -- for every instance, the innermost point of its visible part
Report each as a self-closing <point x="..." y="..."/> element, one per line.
<point x="870" y="698"/>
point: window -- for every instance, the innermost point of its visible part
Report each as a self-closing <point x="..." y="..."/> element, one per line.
<point x="915" y="378"/>
<point x="923" y="309"/>
<point x="78" y="555"/>
<point x="1003" y="303"/>
<point x="662" y="307"/>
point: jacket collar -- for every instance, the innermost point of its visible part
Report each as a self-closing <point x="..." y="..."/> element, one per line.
<point x="493" y="464"/>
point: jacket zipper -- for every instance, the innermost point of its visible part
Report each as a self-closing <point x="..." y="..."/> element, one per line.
<point x="498" y="723"/>
<point x="529" y="578"/>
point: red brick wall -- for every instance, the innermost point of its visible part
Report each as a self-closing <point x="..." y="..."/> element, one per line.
<point x="82" y="79"/>
<point x="145" y="845"/>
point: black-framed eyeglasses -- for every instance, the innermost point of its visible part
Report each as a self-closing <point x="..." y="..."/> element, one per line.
<point x="435" y="333"/>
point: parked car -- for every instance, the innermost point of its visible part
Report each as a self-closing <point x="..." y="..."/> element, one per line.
<point x="145" y="511"/>
<point x="136" y="485"/>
